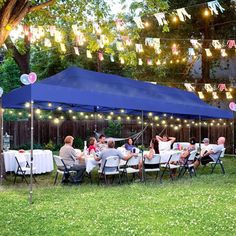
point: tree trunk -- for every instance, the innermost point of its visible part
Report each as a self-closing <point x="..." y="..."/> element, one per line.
<point x="13" y="11"/>
<point x="22" y="60"/>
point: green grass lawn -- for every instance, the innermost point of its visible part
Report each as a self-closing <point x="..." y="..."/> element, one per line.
<point x="205" y="205"/>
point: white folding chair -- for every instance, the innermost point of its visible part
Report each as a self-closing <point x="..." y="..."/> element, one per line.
<point x="218" y="161"/>
<point x="23" y="167"/>
<point x="131" y="167"/>
<point x="61" y="168"/>
<point x="171" y="164"/>
<point x="154" y="161"/>
<point x="110" y="167"/>
<point x="188" y="164"/>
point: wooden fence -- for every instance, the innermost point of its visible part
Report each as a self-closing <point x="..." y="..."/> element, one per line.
<point x="46" y="130"/>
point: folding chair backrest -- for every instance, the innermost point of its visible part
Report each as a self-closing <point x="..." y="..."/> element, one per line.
<point x="192" y="155"/>
<point x="58" y="160"/>
<point x="133" y="161"/>
<point x="21" y="159"/>
<point x="155" y="160"/>
<point x="174" y="157"/>
<point x="112" y="161"/>
<point x="222" y="154"/>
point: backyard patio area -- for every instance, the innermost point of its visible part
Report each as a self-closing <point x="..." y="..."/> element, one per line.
<point x="205" y="204"/>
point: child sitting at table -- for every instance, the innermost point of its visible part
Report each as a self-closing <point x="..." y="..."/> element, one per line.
<point x="92" y="146"/>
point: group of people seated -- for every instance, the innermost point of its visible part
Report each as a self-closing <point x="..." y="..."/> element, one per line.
<point x="101" y="150"/>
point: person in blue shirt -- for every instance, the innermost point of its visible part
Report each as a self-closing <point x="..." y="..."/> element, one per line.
<point x="129" y="145"/>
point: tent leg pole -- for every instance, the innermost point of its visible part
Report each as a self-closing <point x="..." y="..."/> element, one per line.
<point x="142" y="128"/>
<point x="200" y="132"/>
<point x="31" y="151"/>
<point x="1" y="143"/>
<point x="233" y="139"/>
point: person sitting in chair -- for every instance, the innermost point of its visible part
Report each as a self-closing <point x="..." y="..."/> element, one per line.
<point x="129" y="145"/>
<point x="211" y="155"/>
<point x="111" y="151"/>
<point x="153" y="150"/>
<point x="69" y="156"/>
<point x="205" y="147"/>
<point x="188" y="150"/>
<point x="101" y="145"/>
<point x="165" y="142"/>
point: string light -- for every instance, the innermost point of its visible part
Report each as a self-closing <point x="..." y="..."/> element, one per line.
<point x="56" y="121"/>
<point x="38" y="111"/>
<point x="27" y="105"/>
<point x="206" y="13"/>
<point x="175" y="19"/>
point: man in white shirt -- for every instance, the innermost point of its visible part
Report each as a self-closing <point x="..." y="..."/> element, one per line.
<point x="212" y="154"/>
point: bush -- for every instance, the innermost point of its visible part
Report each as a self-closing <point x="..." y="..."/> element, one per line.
<point x="50" y="145"/>
<point x="78" y="143"/>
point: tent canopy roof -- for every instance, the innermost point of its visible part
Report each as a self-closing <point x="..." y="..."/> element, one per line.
<point x="84" y="90"/>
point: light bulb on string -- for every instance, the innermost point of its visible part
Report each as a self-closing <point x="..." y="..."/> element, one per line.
<point x="206" y="13"/>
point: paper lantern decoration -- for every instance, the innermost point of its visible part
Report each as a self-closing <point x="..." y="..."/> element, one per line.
<point x="183" y="14"/>
<point x="100" y="56"/>
<point x="216" y="44"/>
<point x="195" y="43"/>
<point x="214" y="6"/>
<point x="223" y="53"/>
<point x="229" y="95"/>
<point x="47" y="43"/>
<point x="222" y="87"/>
<point x="208" y="52"/>
<point x="208" y="88"/>
<point x="149" y="62"/>
<point x="119" y="46"/>
<point x="119" y="24"/>
<point x="201" y="95"/>
<point x="231" y="43"/>
<point x="215" y="96"/>
<point x="76" y="51"/>
<point x="191" y="52"/>
<point x="140" y="62"/>
<point x="138" y="47"/>
<point x="63" y="47"/>
<point x="112" y="58"/>
<point x="88" y="53"/>
<point x="122" y="61"/>
<point x="138" y="22"/>
<point x="161" y="19"/>
<point x="189" y="87"/>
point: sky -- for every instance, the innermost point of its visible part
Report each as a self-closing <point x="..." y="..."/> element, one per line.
<point x="116" y="7"/>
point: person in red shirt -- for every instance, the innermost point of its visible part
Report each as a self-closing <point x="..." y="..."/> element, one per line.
<point x="92" y="146"/>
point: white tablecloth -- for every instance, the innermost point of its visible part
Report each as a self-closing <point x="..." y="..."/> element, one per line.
<point x="42" y="160"/>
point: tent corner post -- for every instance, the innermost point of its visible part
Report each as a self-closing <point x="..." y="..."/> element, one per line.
<point x="1" y="143"/>
<point x="31" y="150"/>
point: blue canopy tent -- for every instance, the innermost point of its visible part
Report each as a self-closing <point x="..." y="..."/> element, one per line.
<point x="84" y="90"/>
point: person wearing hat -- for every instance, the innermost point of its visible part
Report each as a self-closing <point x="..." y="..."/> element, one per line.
<point x="212" y="154"/>
<point x="205" y="147"/>
<point x="189" y="149"/>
